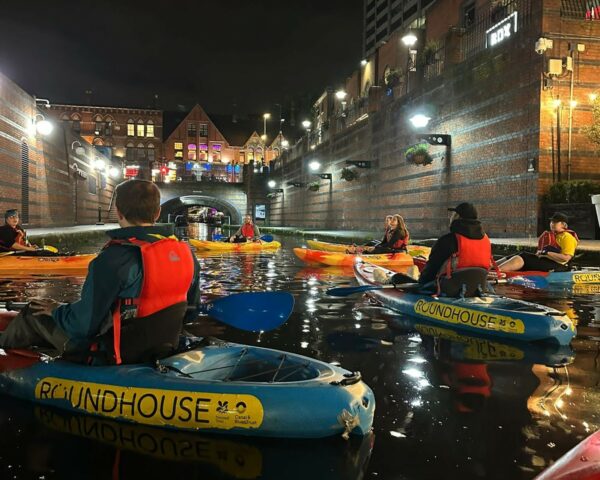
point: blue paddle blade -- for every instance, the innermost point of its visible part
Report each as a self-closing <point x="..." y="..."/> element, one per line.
<point x="534" y="281"/>
<point x="267" y="238"/>
<point x="216" y="237"/>
<point x="252" y="311"/>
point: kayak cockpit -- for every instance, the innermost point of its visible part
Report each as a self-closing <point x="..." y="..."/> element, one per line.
<point x="241" y="363"/>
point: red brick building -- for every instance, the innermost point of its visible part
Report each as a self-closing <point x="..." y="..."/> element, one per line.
<point x="130" y="135"/>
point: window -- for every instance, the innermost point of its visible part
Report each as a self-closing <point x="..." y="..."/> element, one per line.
<point x="130" y="152"/>
<point x="76" y="123"/>
<point x="130" y="128"/>
<point x="192" y="129"/>
<point x="140" y="151"/>
<point x="191" y="151"/>
<point x="178" y="149"/>
<point x="216" y="147"/>
<point x="99" y="130"/>
<point x="140" y="128"/>
<point x="150" y="129"/>
<point x="468" y="17"/>
<point x="204" y="129"/>
<point x="150" y="152"/>
<point x="24" y="182"/>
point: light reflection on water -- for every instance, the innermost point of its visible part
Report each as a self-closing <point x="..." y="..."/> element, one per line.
<point x="448" y="405"/>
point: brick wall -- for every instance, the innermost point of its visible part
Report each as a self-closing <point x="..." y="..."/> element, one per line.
<point x="490" y="104"/>
<point x="58" y="196"/>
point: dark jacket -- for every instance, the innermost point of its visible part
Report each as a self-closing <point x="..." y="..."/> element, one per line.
<point x="389" y="240"/>
<point x="447" y="245"/>
<point x="116" y="272"/>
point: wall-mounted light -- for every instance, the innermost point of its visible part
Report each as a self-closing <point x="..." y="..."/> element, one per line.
<point x="79" y="150"/>
<point x="419" y="120"/>
<point x="285" y="143"/>
<point x="43" y="126"/>
<point x="409" y="39"/>
<point x="99" y="164"/>
<point x="43" y="101"/>
<point x="325" y="176"/>
<point x="113" y="172"/>
<point x="363" y="63"/>
<point x="340" y="94"/>
<point x="531" y="165"/>
<point x="314" y="165"/>
<point x="306" y="124"/>
<point x="296" y="184"/>
<point x="272" y="183"/>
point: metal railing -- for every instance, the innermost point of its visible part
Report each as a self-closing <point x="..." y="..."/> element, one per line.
<point x="580" y="9"/>
<point x="474" y="38"/>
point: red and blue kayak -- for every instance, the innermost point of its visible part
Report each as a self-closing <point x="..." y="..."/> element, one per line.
<point x="537" y="279"/>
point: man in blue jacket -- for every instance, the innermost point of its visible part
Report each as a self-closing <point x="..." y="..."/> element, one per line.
<point x="135" y="297"/>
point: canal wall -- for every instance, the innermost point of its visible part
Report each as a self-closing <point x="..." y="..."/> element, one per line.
<point x="49" y="178"/>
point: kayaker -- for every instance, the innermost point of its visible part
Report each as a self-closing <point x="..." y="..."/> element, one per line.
<point x="396" y="239"/>
<point x="13" y="236"/>
<point x="466" y="245"/>
<point x="135" y="296"/>
<point x="247" y="232"/>
<point x="386" y="227"/>
<point x="556" y="248"/>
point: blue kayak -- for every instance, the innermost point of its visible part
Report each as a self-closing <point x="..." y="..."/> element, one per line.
<point x="489" y="315"/>
<point x="220" y="387"/>
<point x="535" y="279"/>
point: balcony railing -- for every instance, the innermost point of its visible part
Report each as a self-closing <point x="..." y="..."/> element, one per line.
<point x="580" y="9"/>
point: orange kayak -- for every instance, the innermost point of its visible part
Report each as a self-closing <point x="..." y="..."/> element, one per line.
<point x="413" y="250"/>
<point x="233" y="247"/>
<point x="347" y="259"/>
<point x="16" y="264"/>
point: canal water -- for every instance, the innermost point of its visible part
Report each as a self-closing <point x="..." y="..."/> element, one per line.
<point x="448" y="405"/>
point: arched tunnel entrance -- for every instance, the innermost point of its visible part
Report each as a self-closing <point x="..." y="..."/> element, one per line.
<point x="192" y="203"/>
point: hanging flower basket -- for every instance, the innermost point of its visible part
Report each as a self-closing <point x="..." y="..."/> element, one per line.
<point x="418" y="154"/>
<point x="314" y="186"/>
<point x="349" y="174"/>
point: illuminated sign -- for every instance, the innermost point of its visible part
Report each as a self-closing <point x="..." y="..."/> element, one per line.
<point x="260" y="212"/>
<point x="132" y="171"/>
<point x="501" y="31"/>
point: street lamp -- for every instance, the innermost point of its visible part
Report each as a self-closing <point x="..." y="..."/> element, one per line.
<point x="272" y="183"/>
<point x="266" y="117"/>
<point x="363" y="63"/>
<point x="410" y="39"/>
<point x="113" y="172"/>
<point x="306" y="124"/>
<point x="314" y="165"/>
<point x="99" y="164"/>
<point x="341" y="96"/>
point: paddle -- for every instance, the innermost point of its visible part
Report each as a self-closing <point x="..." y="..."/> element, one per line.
<point x="535" y="281"/>
<point x="267" y="238"/>
<point x="252" y="311"/>
<point x="50" y="248"/>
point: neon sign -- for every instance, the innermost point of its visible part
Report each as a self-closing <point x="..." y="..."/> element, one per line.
<point x="501" y="31"/>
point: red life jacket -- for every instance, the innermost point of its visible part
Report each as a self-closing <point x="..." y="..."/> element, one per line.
<point x="548" y="239"/>
<point x="471" y="253"/>
<point x="248" y="230"/>
<point x="21" y="238"/>
<point x="402" y="244"/>
<point x="149" y="320"/>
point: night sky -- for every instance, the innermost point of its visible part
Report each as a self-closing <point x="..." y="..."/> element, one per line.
<point x="217" y="53"/>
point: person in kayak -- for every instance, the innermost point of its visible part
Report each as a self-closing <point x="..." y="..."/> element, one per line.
<point x="556" y="248"/>
<point x="465" y="246"/>
<point x="247" y="232"/>
<point x="395" y="240"/>
<point x="386" y="227"/>
<point x="13" y="236"/>
<point x="135" y="297"/>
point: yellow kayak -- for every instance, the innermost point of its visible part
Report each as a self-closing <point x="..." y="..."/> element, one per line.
<point x="347" y="259"/>
<point x="413" y="250"/>
<point x="234" y="247"/>
<point x="19" y="264"/>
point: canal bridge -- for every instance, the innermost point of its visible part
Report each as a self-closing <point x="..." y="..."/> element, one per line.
<point x="229" y="198"/>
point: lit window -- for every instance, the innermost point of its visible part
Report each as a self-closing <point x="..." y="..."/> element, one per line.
<point x="178" y="146"/>
<point x="150" y="129"/>
<point x="140" y="129"/>
<point x="179" y="154"/>
<point x="191" y="154"/>
<point x="130" y="128"/>
<point x="216" y="147"/>
<point x="192" y="129"/>
<point x="204" y="129"/>
<point x="203" y="147"/>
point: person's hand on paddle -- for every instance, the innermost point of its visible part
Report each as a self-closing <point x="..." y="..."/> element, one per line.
<point x="43" y="306"/>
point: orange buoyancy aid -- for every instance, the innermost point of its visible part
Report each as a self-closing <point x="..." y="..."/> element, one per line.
<point x="471" y="252"/>
<point x="248" y="230"/>
<point x="168" y="271"/>
<point x="548" y="239"/>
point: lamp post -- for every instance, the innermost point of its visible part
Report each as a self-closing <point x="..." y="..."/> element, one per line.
<point x="558" y="107"/>
<point x="410" y="39"/>
<point x="307" y="124"/>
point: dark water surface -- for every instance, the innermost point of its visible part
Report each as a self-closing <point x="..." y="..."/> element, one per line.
<point x="448" y="405"/>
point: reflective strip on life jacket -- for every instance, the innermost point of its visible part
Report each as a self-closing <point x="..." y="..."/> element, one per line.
<point x="248" y="230"/>
<point x="168" y="269"/>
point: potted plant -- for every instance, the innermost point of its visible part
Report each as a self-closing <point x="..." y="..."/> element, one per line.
<point x="572" y="198"/>
<point x="349" y="174"/>
<point x="429" y="52"/>
<point x="314" y="186"/>
<point x="272" y="194"/>
<point x="418" y="154"/>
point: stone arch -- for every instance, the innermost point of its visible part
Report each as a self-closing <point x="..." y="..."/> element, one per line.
<point x="172" y="205"/>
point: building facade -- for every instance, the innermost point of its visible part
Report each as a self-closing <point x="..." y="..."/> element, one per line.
<point x="130" y="135"/>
